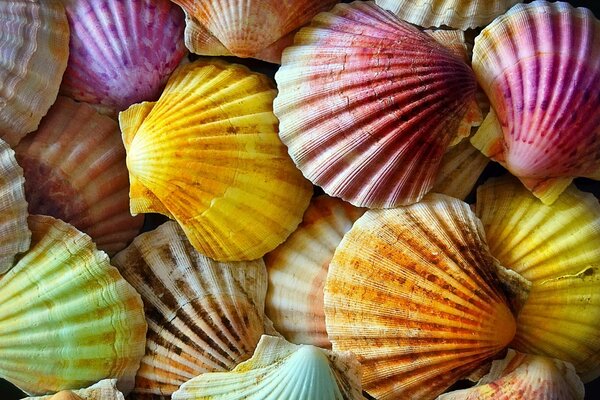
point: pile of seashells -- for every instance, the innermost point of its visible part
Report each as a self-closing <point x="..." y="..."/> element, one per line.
<point x="384" y="284"/>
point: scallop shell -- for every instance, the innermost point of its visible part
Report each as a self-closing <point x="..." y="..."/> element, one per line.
<point x="14" y="233"/>
<point x="544" y="93"/>
<point x="68" y="317"/>
<point x="34" y="47"/>
<point x="75" y="170"/>
<point x="281" y="370"/>
<point x="203" y="315"/>
<point x="207" y="154"/>
<point x="246" y="28"/>
<point x="121" y="51"/>
<point x="356" y="113"/>
<point x="298" y="268"/>
<point x="412" y="292"/>
<point x="524" y="376"/>
<point x="556" y="248"/>
<point x="106" y="389"/>
<point x="458" y="14"/>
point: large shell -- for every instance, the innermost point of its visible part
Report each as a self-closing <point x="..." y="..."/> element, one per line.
<point x="281" y="370"/>
<point x="298" y="268"/>
<point x="203" y="315"/>
<point x="207" y="154"/>
<point x="556" y="248"/>
<point x="412" y="292"/>
<point x="121" y="51"/>
<point x="246" y="28"/>
<point x="106" y="389"/>
<point x="34" y="48"/>
<point x="546" y="124"/>
<point x="368" y="104"/>
<point x="524" y="376"/>
<point x="68" y="318"/>
<point x="75" y="170"/>
<point x="459" y="14"/>
<point x="14" y="233"/>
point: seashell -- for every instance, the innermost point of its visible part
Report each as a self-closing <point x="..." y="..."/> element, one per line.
<point x="461" y="166"/>
<point x="34" y="48"/>
<point x="435" y="311"/>
<point x="298" y="268"/>
<point x="358" y="119"/>
<point x="75" y="170"/>
<point x="106" y="67"/>
<point x="281" y="370"/>
<point x="546" y="126"/>
<point x="207" y="154"/>
<point x="458" y="14"/>
<point x="246" y="28"/>
<point x="14" y="233"/>
<point x="524" y="376"/>
<point x="203" y="315"/>
<point x="106" y="389"/>
<point x="557" y="249"/>
<point x="83" y="321"/>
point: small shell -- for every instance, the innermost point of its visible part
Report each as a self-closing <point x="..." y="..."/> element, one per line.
<point x="556" y="248"/>
<point x="207" y="154"/>
<point x="121" y="51"/>
<point x="246" y="28"/>
<point x="458" y="14"/>
<point x="203" y="315"/>
<point x="412" y="292"/>
<point x="358" y="116"/>
<point x="546" y="126"/>
<point x="75" y="170"/>
<point x="34" y="47"/>
<point x="298" y="268"/>
<point x="68" y="317"/>
<point x="524" y="376"/>
<point x="14" y="233"/>
<point x="281" y="370"/>
<point x="106" y="389"/>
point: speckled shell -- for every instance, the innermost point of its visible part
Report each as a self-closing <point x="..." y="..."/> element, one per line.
<point x="106" y="389"/>
<point x="68" y="317"/>
<point x="412" y="292"/>
<point x="281" y="370"/>
<point x="298" y="268"/>
<point x="356" y="111"/>
<point x="14" y="233"/>
<point x="539" y="64"/>
<point x="203" y="315"/>
<point x="207" y="154"/>
<point x="524" y="376"/>
<point x="556" y="248"/>
<point x="75" y="170"/>
<point x="34" y="47"/>
<point x="246" y="28"/>
<point x="121" y="51"/>
<point x="458" y="14"/>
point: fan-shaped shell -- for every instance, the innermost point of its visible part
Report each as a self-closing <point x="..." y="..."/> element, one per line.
<point x="524" y="376"/>
<point x="14" y="233"/>
<point x="121" y="51"/>
<point x="68" y="318"/>
<point x="106" y="389"/>
<point x="207" y="154"/>
<point x="412" y="292"/>
<point x="298" y="268"/>
<point x="281" y="370"/>
<point x="539" y="64"/>
<point x="203" y="315"/>
<point x="34" y="47"/>
<point x="368" y="104"/>
<point x="458" y="14"/>
<point x="246" y="28"/>
<point x="556" y="248"/>
<point x="75" y="170"/>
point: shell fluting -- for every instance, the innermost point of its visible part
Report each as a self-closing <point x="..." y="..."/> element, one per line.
<point x="106" y="389"/>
